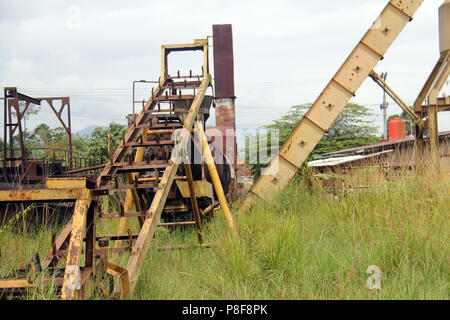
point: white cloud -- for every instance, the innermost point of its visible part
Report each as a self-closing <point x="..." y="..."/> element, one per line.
<point x="285" y="51"/>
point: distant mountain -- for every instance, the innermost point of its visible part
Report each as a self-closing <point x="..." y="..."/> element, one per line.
<point x="86" y="132"/>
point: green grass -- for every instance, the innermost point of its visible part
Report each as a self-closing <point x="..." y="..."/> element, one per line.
<point x="301" y="246"/>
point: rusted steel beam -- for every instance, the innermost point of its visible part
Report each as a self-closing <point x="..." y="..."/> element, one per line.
<point x="65" y="183"/>
<point x="163" y="125"/>
<point x="175" y="208"/>
<point x="156" y="163"/>
<point x="209" y="159"/>
<point x="52" y="258"/>
<point x="150" y="143"/>
<point x="191" y="76"/>
<point x="22" y="286"/>
<point x="209" y="208"/>
<point x="175" y="97"/>
<point x="163" y="131"/>
<point x="91" y="277"/>
<point x="124" y="281"/>
<point x="105" y="190"/>
<point x="90" y="235"/>
<point x="198" y="222"/>
<point x="177" y="224"/>
<point x="425" y="91"/>
<point x="185" y="246"/>
<point x="122" y="215"/>
<point x="182" y="85"/>
<point x="11" y="92"/>
<point x="416" y="118"/>
<point x="159" y="178"/>
<point x="117" y="236"/>
<point x="431" y="87"/>
<point x="100" y="166"/>
<point x="72" y="272"/>
<point x="41" y="195"/>
<point x="131" y="196"/>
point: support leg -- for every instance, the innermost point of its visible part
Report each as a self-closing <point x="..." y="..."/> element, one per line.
<point x="198" y="222"/>
<point x="215" y="177"/>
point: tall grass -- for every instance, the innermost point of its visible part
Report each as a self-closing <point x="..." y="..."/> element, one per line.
<point x="302" y="245"/>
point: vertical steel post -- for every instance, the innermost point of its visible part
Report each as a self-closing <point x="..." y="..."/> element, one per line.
<point x="215" y="177"/>
<point x="198" y="223"/>
<point x="384" y="108"/>
<point x="5" y="139"/>
<point x="433" y="133"/>
<point x="69" y="132"/>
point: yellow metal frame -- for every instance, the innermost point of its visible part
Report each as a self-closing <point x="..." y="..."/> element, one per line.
<point x="202" y="188"/>
<point x="199" y="44"/>
<point x="333" y="99"/>
<point x="62" y="189"/>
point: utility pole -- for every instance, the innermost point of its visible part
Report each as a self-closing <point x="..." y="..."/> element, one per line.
<point x="383" y="107"/>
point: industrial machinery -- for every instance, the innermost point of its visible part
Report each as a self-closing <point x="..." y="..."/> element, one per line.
<point x="166" y="167"/>
<point x="342" y="87"/>
<point x="149" y="176"/>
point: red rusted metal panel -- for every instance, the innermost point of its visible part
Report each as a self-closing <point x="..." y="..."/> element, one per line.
<point x="223" y="61"/>
<point x="225" y="113"/>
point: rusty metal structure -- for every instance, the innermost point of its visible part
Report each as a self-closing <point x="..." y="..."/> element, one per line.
<point x="18" y="166"/>
<point x="428" y="104"/>
<point x="342" y="87"/>
<point x="155" y="165"/>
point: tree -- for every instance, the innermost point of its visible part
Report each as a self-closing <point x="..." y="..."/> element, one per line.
<point x="43" y="137"/>
<point x="352" y="128"/>
<point x="41" y="142"/>
<point x="98" y="143"/>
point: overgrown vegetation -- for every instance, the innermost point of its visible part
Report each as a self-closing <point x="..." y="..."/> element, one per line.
<point x="302" y="245"/>
<point x="305" y="246"/>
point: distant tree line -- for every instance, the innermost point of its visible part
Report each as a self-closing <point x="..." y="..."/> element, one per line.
<point x="40" y="141"/>
<point x="354" y="127"/>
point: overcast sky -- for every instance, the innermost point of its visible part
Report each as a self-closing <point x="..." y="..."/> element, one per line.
<point x="285" y="52"/>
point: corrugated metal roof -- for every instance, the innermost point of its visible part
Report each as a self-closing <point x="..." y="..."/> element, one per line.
<point x="340" y="160"/>
<point x="379" y="146"/>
